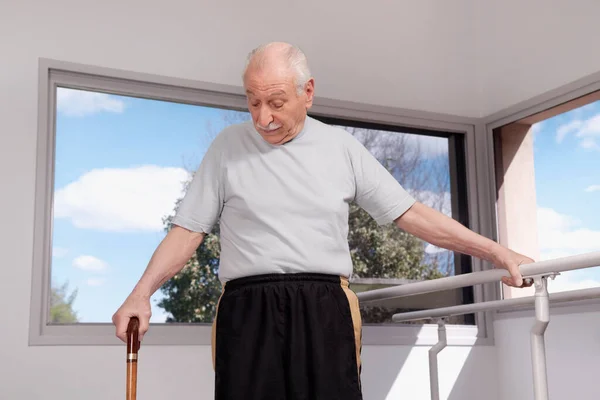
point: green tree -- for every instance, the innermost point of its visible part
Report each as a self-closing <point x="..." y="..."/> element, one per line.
<point x="384" y="251"/>
<point x="61" y="306"/>
<point x="377" y="251"/>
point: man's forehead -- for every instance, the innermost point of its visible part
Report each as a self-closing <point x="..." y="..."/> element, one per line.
<point x="272" y="92"/>
<point x="274" y="81"/>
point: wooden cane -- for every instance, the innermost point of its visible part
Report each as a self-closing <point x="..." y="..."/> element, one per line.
<point x="133" y="346"/>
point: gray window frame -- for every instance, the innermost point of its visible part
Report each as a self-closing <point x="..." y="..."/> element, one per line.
<point x="53" y="73"/>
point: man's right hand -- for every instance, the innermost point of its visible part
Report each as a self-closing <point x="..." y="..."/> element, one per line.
<point x="134" y="306"/>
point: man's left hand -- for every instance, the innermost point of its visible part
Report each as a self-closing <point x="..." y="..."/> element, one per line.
<point x="511" y="261"/>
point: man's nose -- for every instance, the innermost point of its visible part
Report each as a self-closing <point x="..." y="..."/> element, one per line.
<point x="265" y="117"/>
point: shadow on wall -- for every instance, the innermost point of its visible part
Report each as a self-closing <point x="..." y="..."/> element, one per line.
<point x="572" y="349"/>
<point x="476" y="379"/>
<point x="402" y="372"/>
<point x="382" y="367"/>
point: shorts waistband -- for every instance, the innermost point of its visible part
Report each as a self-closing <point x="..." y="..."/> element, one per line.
<point x="290" y="277"/>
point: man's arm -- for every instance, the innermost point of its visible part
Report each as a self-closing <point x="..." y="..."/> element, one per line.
<point x="168" y="259"/>
<point x="442" y="231"/>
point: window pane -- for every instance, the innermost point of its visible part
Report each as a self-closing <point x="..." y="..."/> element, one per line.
<point x="548" y="174"/>
<point x="121" y="165"/>
<point x="385" y="256"/>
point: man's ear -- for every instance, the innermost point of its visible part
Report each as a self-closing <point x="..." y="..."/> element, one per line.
<point x="309" y="90"/>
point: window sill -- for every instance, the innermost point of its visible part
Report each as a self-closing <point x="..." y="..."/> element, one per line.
<point x="200" y="335"/>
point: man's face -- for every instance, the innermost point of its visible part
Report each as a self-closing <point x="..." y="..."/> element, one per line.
<point x="278" y="110"/>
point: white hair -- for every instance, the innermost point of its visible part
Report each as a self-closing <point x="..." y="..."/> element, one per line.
<point x="293" y="55"/>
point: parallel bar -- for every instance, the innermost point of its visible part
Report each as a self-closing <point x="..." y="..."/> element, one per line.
<point x="454" y="282"/>
<point x="574" y="295"/>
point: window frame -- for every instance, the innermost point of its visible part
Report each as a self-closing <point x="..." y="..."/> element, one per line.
<point x="539" y="104"/>
<point x="53" y="73"/>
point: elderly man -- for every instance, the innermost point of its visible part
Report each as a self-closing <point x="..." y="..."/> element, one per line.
<point x="287" y="324"/>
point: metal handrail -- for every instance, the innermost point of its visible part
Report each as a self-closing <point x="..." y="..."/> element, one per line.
<point x="537" y="272"/>
<point x="587" y="260"/>
<point x="496" y="305"/>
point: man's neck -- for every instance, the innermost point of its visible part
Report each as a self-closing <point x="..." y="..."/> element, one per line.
<point x="300" y="131"/>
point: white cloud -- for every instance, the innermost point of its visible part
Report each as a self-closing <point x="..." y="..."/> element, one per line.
<point x="567" y="128"/>
<point x="90" y="263"/>
<point x="95" y="281"/>
<point x="561" y="235"/>
<point x="59" y="252"/>
<point x="431" y="249"/>
<point x="564" y="283"/>
<point x="593" y="188"/>
<point x="536" y="128"/>
<point x="79" y="103"/>
<point x="428" y="146"/>
<point x="589" y="144"/>
<point x="587" y="131"/>
<point x="129" y="199"/>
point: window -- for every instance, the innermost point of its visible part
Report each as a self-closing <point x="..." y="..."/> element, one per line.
<point x="548" y="187"/>
<point x="121" y="167"/>
<point x="115" y="157"/>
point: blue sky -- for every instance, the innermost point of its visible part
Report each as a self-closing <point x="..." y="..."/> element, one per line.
<point x="567" y="173"/>
<point x="121" y="162"/>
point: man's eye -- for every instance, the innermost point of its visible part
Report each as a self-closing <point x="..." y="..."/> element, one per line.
<point x="277" y="105"/>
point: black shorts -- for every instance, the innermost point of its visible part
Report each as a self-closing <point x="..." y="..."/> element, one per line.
<point x="287" y="337"/>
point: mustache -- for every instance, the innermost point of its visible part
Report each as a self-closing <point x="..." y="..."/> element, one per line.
<point x="271" y="127"/>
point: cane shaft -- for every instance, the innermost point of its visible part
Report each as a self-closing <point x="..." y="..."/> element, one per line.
<point x="131" y="380"/>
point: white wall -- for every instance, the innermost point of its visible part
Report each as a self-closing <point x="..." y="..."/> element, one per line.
<point x="75" y="373"/>
<point x="388" y="53"/>
<point x="526" y="48"/>
<point x="572" y="351"/>
<point x="402" y="372"/>
<point x="417" y="55"/>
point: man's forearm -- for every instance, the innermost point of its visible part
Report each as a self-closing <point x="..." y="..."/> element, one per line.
<point x="168" y="259"/>
<point x="445" y="232"/>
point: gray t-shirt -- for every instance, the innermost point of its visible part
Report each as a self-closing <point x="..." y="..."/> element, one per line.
<point x="284" y="208"/>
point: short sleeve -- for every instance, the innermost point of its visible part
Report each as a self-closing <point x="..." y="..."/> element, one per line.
<point x="202" y="203"/>
<point x="377" y="191"/>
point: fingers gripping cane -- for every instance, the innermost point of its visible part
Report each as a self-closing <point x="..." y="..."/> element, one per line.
<point x="133" y="346"/>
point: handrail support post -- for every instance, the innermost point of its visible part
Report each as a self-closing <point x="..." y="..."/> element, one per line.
<point x="538" y="349"/>
<point x="433" y="361"/>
